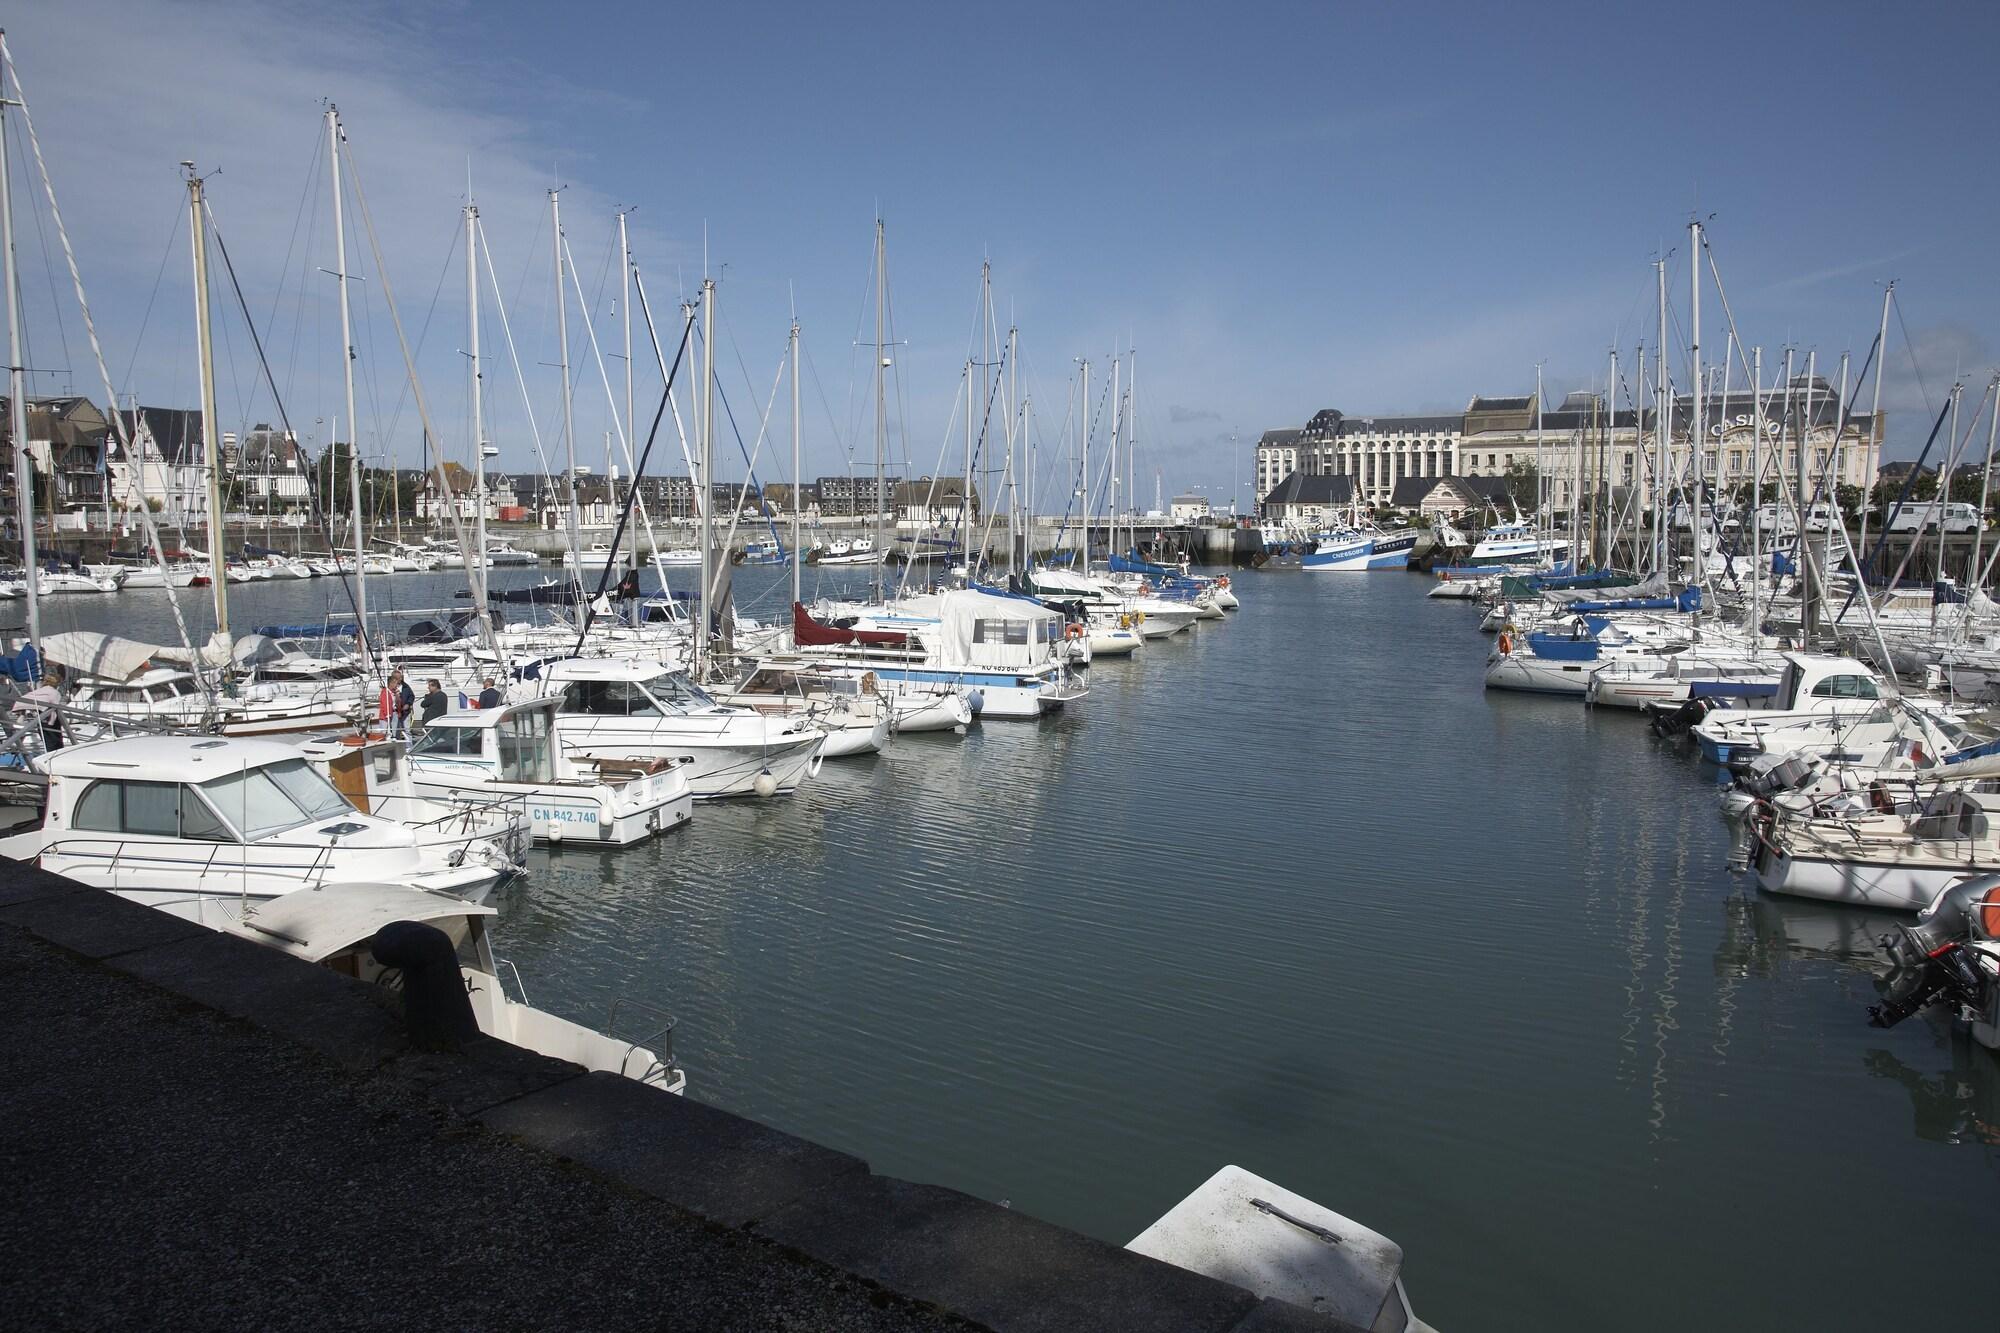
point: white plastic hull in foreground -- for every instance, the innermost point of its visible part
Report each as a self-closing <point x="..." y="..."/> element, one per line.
<point x="856" y="738"/>
<point x="1533" y="675"/>
<point x="1898" y="888"/>
<point x="712" y="770"/>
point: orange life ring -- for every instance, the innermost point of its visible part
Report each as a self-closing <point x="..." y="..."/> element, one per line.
<point x="1072" y="631"/>
<point x="1506" y="643"/>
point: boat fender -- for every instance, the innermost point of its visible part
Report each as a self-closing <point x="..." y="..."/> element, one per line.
<point x="435" y="1004"/>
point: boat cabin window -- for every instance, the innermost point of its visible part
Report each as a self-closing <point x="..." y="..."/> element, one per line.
<point x="152" y="809"/>
<point x="676" y="691"/>
<point x="272" y="799"/>
<point x="525" y="752"/>
<point x="608" y="698"/>
<point x="1845" y="687"/>
<point x="384" y="761"/>
<point x="449" y="741"/>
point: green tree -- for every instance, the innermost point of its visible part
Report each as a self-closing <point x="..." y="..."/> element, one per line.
<point x="1523" y="483"/>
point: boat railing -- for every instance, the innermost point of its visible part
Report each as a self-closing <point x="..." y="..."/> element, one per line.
<point x="520" y="986"/>
<point x="127" y="854"/>
<point x="659" y="1042"/>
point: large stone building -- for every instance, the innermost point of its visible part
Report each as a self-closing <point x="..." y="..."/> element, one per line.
<point x="1576" y="441"/>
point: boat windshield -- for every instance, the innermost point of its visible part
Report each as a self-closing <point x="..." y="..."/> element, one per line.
<point x="448" y="741"/>
<point x="678" y="692"/>
<point x="526" y="754"/>
<point x="262" y="801"/>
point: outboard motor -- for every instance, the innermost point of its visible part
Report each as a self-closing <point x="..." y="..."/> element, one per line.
<point x="1941" y="959"/>
<point x="1680" y="721"/>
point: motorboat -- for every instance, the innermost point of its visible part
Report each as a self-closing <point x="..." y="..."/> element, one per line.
<point x="1897" y="859"/>
<point x="571" y="794"/>
<point x="1516" y="543"/>
<point x="1809" y="685"/>
<point x="859" y="551"/>
<point x="167" y="819"/>
<point x="372" y="770"/>
<point x="59" y="583"/>
<point x="854" y="713"/>
<point x="638" y="711"/>
<point x="337" y="927"/>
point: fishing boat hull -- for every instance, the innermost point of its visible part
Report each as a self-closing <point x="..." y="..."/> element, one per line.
<point x="1355" y="554"/>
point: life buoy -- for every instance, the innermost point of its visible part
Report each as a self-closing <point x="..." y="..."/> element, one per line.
<point x="1222" y="582"/>
<point x="1506" y="643"/>
<point x="1125" y="621"/>
<point x="1072" y="631"/>
<point x="1879" y="799"/>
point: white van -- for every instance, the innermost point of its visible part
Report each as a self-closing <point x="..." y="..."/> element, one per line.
<point x="1922" y="516"/>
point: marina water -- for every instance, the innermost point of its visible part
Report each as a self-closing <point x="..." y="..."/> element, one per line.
<point x="1293" y="892"/>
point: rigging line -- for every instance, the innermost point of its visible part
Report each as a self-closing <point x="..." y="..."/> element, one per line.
<point x="423" y="335"/>
<point x="507" y="332"/>
<point x="118" y="436"/>
<point x="314" y="507"/>
<point x="1910" y="350"/>
<point x="475" y="565"/>
<point x="313" y="167"/>
<point x="49" y="268"/>
<point x="173" y="235"/>
<point x="308" y="203"/>
<point x="652" y="434"/>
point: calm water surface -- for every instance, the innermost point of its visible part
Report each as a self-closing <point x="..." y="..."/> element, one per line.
<point x="1291" y="891"/>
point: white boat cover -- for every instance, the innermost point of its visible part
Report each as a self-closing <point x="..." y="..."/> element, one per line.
<point x="978" y="629"/>
<point x="94" y="654"/>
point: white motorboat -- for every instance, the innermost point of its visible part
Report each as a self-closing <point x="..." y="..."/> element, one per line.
<point x="571" y="795"/>
<point x="855" y="715"/>
<point x="1899" y="859"/>
<point x="178" y="574"/>
<point x="336" y="928"/>
<point x="165" y="819"/>
<point x="592" y="559"/>
<point x="859" y="551"/>
<point x="640" y="711"/>
<point x="1517" y="544"/>
<point x="1809" y="686"/>
<point x="680" y="556"/>
<point x="504" y="553"/>
<point x="58" y="583"/>
<point x="372" y="771"/>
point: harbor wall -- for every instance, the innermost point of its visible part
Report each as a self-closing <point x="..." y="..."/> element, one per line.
<point x="209" y="1132"/>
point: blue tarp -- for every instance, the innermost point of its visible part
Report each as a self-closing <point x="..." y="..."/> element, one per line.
<point x="24" y="666"/>
<point x="332" y="630"/>
<point x="1561" y="648"/>
<point x="1782" y="563"/>
<point x="1132" y="564"/>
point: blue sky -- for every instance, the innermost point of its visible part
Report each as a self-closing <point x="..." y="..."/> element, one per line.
<point x="1283" y="207"/>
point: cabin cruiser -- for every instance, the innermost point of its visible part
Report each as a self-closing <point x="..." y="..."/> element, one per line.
<point x="499" y="553"/>
<point x="571" y="795"/>
<point x="166" y="819"/>
<point x="1155" y="617"/>
<point x="857" y="717"/>
<point x="638" y="710"/>
<point x="336" y="927"/>
<point x="1700" y="672"/>
<point x="1562" y="660"/>
<point x="1007" y="649"/>
<point x="372" y="770"/>
<point x="1808" y="686"/>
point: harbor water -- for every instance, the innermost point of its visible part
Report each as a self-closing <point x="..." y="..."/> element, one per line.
<point x="1292" y="892"/>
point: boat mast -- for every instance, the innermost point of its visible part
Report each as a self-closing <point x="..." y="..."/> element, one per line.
<point x="706" y="490"/>
<point x="1973" y="570"/>
<point x="569" y="431"/>
<point x="625" y="311"/>
<point x="1875" y="426"/>
<point x="347" y="381"/>
<point x="1602" y="488"/>
<point x="1756" y="492"/>
<point x="881" y="552"/>
<point x="17" y="394"/>
<point x="1802" y="445"/>
<point x="1117" y="425"/>
<point x="1697" y="440"/>
<point x="1014" y="560"/>
<point x="478" y="419"/>
<point x="1541" y="470"/>
<point x="1083" y="438"/>
<point x="1662" y="431"/>
<point x="210" y="441"/>
<point x="798" y="489"/>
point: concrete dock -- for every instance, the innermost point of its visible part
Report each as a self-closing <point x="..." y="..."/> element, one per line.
<point x="206" y="1133"/>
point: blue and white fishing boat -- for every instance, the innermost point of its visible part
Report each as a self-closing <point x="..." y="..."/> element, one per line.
<point x="1356" y="550"/>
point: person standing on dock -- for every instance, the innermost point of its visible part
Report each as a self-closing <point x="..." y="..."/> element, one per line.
<point x="46" y="700"/>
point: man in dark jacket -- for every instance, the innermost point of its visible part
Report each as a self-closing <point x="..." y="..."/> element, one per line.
<point x="433" y="705"/>
<point x="489" y="697"/>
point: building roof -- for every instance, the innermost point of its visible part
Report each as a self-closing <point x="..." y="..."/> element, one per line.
<point x="175" y="431"/>
<point x="1312" y="488"/>
<point x="1279" y="438"/>
<point x="1481" y="403"/>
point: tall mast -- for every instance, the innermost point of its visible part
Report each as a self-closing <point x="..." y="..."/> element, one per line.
<point x="707" y="487"/>
<point x="1083" y="437"/>
<point x="569" y="431"/>
<point x="210" y="441"/>
<point x="881" y="402"/>
<point x="1014" y="560"/>
<point x="965" y="484"/>
<point x="1803" y="447"/>
<point x="1541" y="470"/>
<point x="1697" y="438"/>
<point x="1117" y="425"/>
<point x="478" y="421"/>
<point x="347" y="382"/>
<point x="625" y="311"/>
<point x="1756" y="492"/>
<point x="1972" y="570"/>
<point x="17" y="395"/>
<point x="1662" y="431"/>
<point x="1875" y="426"/>
<point x="797" y="489"/>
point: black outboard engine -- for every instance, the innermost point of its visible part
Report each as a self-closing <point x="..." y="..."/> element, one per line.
<point x="1932" y="963"/>
<point x="1681" y="720"/>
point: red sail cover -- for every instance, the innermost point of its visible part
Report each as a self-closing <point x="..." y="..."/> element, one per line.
<point x="807" y="632"/>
